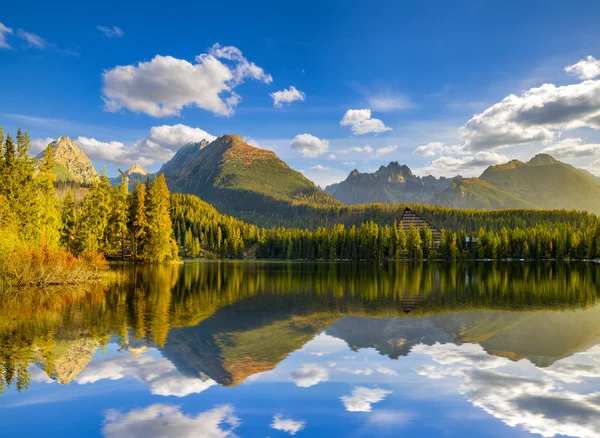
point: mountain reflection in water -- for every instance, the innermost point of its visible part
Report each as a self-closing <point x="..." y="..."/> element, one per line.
<point x="514" y="344"/>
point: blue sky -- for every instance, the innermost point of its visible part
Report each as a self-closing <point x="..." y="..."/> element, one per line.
<point x="373" y="82"/>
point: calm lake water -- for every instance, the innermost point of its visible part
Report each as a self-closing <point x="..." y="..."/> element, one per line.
<point x="318" y="350"/>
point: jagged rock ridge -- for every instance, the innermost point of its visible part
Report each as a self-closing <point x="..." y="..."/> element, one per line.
<point x="67" y="155"/>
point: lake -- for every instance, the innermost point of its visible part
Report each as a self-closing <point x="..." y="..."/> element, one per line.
<point x="275" y="349"/>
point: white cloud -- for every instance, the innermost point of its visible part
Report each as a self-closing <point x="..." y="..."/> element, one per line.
<point x="4" y="30"/>
<point x="535" y="115"/>
<point x="161" y="143"/>
<point x="388" y="102"/>
<point x="319" y="168"/>
<point x="539" y="405"/>
<point x="287" y="96"/>
<point x="588" y="68"/>
<point x="385" y="370"/>
<point x="385" y="150"/>
<point x="111" y="32"/>
<point x="40" y="144"/>
<point x="33" y="40"/>
<point x="572" y="147"/>
<point x="332" y="156"/>
<point x="309" y="374"/>
<point x="362" y="398"/>
<point x="349" y="163"/>
<point x="159" y="374"/>
<point x="36" y="374"/>
<point x="357" y="371"/>
<point x="438" y="148"/>
<point x="361" y="122"/>
<point x="287" y="424"/>
<point x="357" y="150"/>
<point x="309" y="146"/>
<point x="165" y="85"/>
<point x="467" y="165"/>
<point x="163" y="420"/>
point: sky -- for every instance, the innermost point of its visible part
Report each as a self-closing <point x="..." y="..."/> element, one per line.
<point x="445" y="87"/>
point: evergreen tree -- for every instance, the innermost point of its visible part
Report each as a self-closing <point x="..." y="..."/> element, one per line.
<point x="138" y="219"/>
<point x="119" y="218"/>
<point x="68" y="222"/>
<point x="160" y="245"/>
<point x="49" y="215"/>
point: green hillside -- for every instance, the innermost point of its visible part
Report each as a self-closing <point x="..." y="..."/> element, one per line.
<point x="546" y="183"/>
<point x="62" y="173"/>
<point x="250" y="183"/>
<point x="480" y="195"/>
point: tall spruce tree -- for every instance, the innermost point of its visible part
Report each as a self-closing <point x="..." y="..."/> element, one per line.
<point x="68" y="222"/>
<point x="138" y="220"/>
<point x="49" y="216"/>
<point x="160" y="246"/>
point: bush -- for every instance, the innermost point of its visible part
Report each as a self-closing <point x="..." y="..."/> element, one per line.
<point x="44" y="266"/>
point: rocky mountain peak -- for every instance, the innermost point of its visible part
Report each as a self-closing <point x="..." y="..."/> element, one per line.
<point x="68" y="154"/>
<point x="543" y="160"/>
<point x="136" y="168"/>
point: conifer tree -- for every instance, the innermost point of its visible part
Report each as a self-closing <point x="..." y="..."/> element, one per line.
<point x="138" y="219"/>
<point x="119" y="218"/>
<point x="68" y="222"/>
<point x="49" y="216"/>
<point x="160" y="245"/>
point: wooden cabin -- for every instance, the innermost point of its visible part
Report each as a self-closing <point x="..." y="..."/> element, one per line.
<point x="409" y="218"/>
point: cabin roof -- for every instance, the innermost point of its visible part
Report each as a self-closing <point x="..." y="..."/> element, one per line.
<point x="409" y="217"/>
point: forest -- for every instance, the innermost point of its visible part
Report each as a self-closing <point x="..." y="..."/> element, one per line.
<point x="45" y="240"/>
<point x="50" y="239"/>
<point x="201" y="231"/>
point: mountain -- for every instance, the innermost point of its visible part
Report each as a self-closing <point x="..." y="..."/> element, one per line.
<point x="134" y="173"/>
<point x="241" y="180"/>
<point x="72" y="164"/>
<point x="392" y="184"/>
<point x="546" y="183"/>
<point x="478" y="194"/>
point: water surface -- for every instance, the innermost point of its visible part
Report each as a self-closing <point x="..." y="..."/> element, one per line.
<point x="248" y="349"/>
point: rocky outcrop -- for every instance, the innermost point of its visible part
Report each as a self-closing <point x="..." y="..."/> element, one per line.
<point x="77" y="356"/>
<point x="68" y="154"/>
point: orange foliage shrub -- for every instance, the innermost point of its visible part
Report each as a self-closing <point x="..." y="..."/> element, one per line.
<point x="44" y="266"/>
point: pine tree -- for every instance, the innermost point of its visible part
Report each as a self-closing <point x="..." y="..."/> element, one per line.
<point x="160" y="246"/>
<point x="138" y="219"/>
<point x="49" y="216"/>
<point x="119" y="218"/>
<point x="68" y="222"/>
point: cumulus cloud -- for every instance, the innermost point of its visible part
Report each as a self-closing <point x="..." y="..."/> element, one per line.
<point x="467" y="165"/>
<point x="319" y="168"/>
<point x="385" y="150"/>
<point x="161" y="143"/>
<point x="385" y="370"/>
<point x="362" y="398"/>
<point x="287" y="96"/>
<point x="539" y="405"/>
<point x="588" y="68"/>
<point x="309" y="146"/>
<point x="535" y="115"/>
<point x="309" y="374"/>
<point x="164" y="420"/>
<point x="165" y="85"/>
<point x="572" y="147"/>
<point x="159" y="374"/>
<point x="357" y="371"/>
<point x="361" y="123"/>
<point x="332" y="156"/>
<point x="4" y="31"/>
<point x="111" y="32"/>
<point x="288" y="425"/>
<point x="437" y="148"/>
<point x="357" y="150"/>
